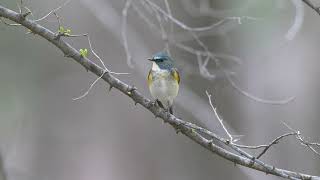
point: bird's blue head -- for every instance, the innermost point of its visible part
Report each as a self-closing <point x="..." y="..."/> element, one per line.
<point x="162" y="60"/>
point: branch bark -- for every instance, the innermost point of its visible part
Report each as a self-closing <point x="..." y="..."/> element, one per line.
<point x="190" y="130"/>
<point x="312" y="6"/>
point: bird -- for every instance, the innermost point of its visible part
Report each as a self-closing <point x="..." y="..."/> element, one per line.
<point x="163" y="80"/>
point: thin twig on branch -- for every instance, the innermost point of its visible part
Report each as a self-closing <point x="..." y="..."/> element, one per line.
<point x="310" y="145"/>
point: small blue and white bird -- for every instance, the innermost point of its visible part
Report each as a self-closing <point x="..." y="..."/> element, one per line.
<point x="163" y="80"/>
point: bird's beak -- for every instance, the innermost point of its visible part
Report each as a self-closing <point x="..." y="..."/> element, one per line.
<point x="150" y="59"/>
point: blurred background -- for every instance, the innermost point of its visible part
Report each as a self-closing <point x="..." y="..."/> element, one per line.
<point x="271" y="53"/>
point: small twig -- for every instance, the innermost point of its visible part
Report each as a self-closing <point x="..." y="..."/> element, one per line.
<point x="52" y="11"/>
<point x="58" y="19"/>
<point x="315" y="144"/>
<point x="304" y="142"/>
<point x="298" y="20"/>
<point x="202" y="67"/>
<point x="144" y="17"/>
<point x="19" y="6"/>
<point x="93" y="51"/>
<point x="29" y="10"/>
<point x="273" y="142"/>
<point x="95" y="54"/>
<point x="106" y="70"/>
<point x="171" y="27"/>
<point x="266" y="147"/>
<point x="164" y="35"/>
<point x="219" y="119"/>
<point x="89" y="89"/>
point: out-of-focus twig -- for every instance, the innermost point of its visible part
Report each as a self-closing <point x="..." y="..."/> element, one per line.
<point x="204" y="28"/>
<point x="298" y="20"/>
<point x="124" y="32"/>
<point x="52" y="11"/>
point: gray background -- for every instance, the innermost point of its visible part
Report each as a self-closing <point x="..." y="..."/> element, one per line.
<point x="45" y="135"/>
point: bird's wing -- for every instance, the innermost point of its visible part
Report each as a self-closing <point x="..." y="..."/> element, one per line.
<point x="149" y="78"/>
<point x="175" y="75"/>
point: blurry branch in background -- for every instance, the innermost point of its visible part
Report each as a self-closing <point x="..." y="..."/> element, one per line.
<point x="200" y="135"/>
<point x="124" y="32"/>
<point x="312" y="6"/>
<point x="298" y="20"/>
<point x="205" y="10"/>
<point x="171" y="27"/>
<point x="203" y="55"/>
<point x="52" y="11"/>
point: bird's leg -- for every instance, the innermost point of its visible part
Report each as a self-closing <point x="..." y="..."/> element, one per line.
<point x="170" y="107"/>
<point x="171" y="110"/>
<point x="159" y="103"/>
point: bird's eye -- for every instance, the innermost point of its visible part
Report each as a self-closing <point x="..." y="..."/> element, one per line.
<point x="160" y="60"/>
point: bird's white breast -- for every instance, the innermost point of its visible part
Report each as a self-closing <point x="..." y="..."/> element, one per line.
<point x="163" y="87"/>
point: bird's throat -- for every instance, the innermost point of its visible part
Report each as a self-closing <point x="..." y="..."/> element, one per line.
<point x="155" y="67"/>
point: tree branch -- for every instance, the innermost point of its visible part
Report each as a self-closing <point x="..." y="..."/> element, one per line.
<point x="309" y="3"/>
<point x="190" y="130"/>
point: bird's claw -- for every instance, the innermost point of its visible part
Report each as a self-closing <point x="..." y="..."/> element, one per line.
<point x="130" y="89"/>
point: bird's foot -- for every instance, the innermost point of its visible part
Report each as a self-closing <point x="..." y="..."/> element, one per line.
<point x="157" y="103"/>
<point x="130" y="89"/>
